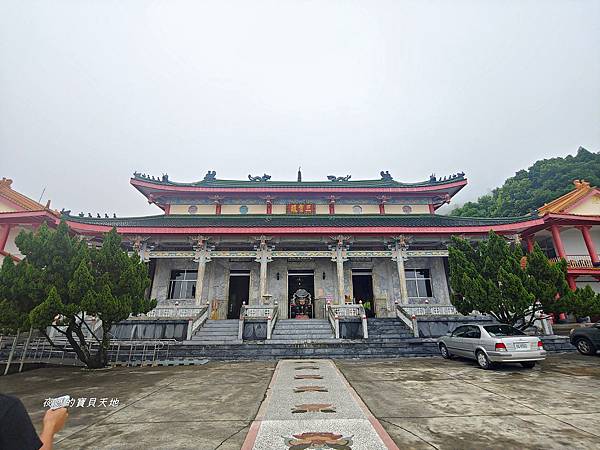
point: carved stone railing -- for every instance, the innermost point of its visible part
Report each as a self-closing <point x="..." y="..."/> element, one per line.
<point x="430" y="310"/>
<point x="577" y="262"/>
<point x="409" y="320"/>
<point x="175" y="312"/>
<point x="266" y="313"/>
<point x="335" y="313"/>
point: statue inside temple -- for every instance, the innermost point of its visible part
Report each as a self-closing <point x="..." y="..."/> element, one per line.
<point x="301" y="305"/>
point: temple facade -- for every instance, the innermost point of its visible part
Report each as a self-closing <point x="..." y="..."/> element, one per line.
<point x="299" y="244"/>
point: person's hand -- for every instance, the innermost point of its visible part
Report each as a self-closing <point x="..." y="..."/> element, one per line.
<point x="54" y="420"/>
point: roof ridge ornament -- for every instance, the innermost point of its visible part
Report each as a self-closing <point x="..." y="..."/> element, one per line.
<point x="337" y="179"/>
<point x="386" y="175"/>
<point x="210" y="175"/>
<point x="265" y="177"/>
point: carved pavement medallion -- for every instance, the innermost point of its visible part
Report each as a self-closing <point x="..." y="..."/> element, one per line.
<point x="319" y="440"/>
<point x="314" y="407"/>
<point x="306" y="376"/>
<point x="301" y="389"/>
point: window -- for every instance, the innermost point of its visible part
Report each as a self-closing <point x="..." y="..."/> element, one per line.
<point x="356" y="209"/>
<point x="502" y="330"/>
<point x="243" y="209"/>
<point x="473" y="332"/>
<point x="460" y="331"/>
<point x="418" y="283"/>
<point x="193" y="209"/>
<point x="182" y="284"/>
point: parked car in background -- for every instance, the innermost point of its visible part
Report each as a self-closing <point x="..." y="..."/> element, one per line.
<point x="586" y="339"/>
<point x="491" y="344"/>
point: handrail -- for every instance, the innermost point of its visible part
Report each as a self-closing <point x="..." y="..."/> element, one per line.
<point x="334" y="320"/>
<point x="410" y="322"/>
<point x="195" y="323"/>
<point x="271" y="321"/>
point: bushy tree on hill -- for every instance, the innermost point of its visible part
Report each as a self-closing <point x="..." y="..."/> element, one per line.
<point x="497" y="278"/>
<point x="529" y="189"/>
<point x="61" y="279"/>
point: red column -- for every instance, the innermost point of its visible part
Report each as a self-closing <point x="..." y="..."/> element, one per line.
<point x="218" y="208"/>
<point x="331" y="207"/>
<point x="431" y="209"/>
<point x="558" y="245"/>
<point x="529" y="242"/>
<point x="382" y="208"/>
<point x="589" y="243"/>
<point x="4" y="232"/>
<point x="269" y="207"/>
<point x="571" y="281"/>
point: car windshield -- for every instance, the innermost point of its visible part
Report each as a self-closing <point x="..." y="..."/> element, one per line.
<point x="502" y="330"/>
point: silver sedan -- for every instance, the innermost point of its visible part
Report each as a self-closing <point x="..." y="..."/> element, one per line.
<point x="490" y="344"/>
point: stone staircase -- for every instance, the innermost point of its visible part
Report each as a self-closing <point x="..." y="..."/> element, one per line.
<point x="218" y="332"/>
<point x="293" y="331"/>
<point x="387" y="331"/>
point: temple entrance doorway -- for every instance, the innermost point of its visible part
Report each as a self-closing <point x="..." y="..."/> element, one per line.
<point x="301" y="294"/>
<point x="239" y="292"/>
<point x="362" y="288"/>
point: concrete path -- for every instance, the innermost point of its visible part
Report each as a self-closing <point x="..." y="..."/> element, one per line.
<point x="309" y="403"/>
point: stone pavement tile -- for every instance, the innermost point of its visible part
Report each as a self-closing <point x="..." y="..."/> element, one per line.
<point x="165" y="435"/>
<point x="541" y="394"/>
<point x="585" y="422"/>
<point x="430" y="399"/>
<point x="393" y="370"/>
<point x="404" y="439"/>
<point x="194" y="403"/>
<point x="272" y="433"/>
<point x="497" y="432"/>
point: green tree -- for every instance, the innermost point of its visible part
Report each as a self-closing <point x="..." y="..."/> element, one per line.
<point x="529" y="189"/>
<point x="586" y="302"/>
<point x="61" y="279"/>
<point x="493" y="277"/>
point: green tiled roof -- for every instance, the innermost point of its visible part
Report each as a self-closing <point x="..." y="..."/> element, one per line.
<point x="251" y="221"/>
<point x="380" y="183"/>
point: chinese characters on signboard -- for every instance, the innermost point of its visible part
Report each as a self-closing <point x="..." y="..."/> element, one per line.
<point x="301" y="208"/>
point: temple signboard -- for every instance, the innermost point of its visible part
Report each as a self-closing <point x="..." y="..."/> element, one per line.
<point x="300" y="208"/>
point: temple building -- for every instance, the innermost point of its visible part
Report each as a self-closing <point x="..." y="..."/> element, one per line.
<point x="299" y="244"/>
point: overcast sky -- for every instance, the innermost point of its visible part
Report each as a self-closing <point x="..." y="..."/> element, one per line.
<point x="91" y="91"/>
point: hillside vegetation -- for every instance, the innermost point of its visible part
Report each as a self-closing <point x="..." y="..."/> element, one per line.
<point x="529" y="189"/>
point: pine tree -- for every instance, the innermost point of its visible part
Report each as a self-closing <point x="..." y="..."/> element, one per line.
<point x="489" y="277"/>
<point x="61" y="279"/>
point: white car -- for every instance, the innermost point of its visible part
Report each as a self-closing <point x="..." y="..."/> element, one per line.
<point x="490" y="344"/>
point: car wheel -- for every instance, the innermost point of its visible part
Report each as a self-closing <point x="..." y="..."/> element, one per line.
<point x="528" y="364"/>
<point x="585" y="347"/>
<point x="444" y="351"/>
<point x="483" y="360"/>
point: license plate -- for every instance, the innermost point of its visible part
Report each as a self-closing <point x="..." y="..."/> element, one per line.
<point x="521" y="346"/>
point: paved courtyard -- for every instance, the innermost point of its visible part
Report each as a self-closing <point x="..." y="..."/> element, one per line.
<point x="420" y="403"/>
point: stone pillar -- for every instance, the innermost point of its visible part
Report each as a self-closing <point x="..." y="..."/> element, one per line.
<point x="263" y="256"/>
<point x="202" y="257"/>
<point x="589" y="243"/>
<point x="399" y="255"/>
<point x="339" y="256"/>
<point x="558" y="245"/>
